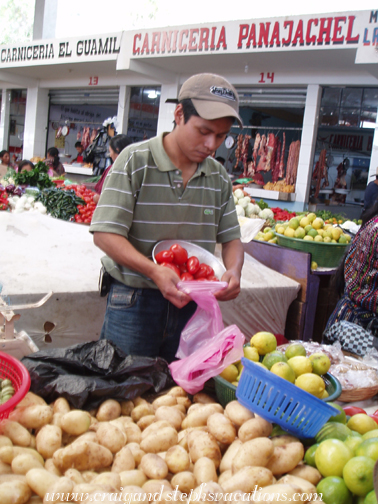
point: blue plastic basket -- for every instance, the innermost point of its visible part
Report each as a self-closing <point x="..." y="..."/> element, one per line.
<point x="281" y="402"/>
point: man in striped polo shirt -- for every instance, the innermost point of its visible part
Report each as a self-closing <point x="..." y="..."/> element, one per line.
<point x="164" y="188"/>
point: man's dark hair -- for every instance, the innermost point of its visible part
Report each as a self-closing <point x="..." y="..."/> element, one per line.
<point x="188" y="109"/>
<point x="78" y="144"/>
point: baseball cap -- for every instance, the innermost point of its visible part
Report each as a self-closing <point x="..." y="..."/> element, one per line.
<point x="213" y="96"/>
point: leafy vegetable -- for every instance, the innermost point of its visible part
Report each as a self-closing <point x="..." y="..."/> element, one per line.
<point x="60" y="204"/>
<point x="262" y="204"/>
<point x="37" y="177"/>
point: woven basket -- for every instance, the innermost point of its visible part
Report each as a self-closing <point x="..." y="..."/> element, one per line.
<point x="358" y="394"/>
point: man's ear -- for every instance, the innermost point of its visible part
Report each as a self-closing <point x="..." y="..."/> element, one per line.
<point x="179" y="114"/>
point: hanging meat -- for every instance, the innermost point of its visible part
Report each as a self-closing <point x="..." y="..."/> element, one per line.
<point x="270" y="151"/>
<point x="319" y="171"/>
<point x="276" y="163"/>
<point x="238" y="150"/>
<point x="281" y="170"/>
<point x="85" y="139"/>
<point x="262" y="152"/>
<point x="256" y="148"/>
<point x="244" y="154"/>
<point x="292" y="162"/>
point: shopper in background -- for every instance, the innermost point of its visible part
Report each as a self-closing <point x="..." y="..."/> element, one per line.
<point x="25" y="165"/>
<point x="168" y="187"/>
<point x="80" y="149"/>
<point x="356" y="279"/>
<point x="371" y="192"/>
<point x="52" y="160"/>
<point x="116" y="145"/>
<point x="5" y="159"/>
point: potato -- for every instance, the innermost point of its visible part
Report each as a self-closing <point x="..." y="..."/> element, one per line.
<point x="83" y="456"/>
<point x="229" y="455"/>
<point x="153" y="466"/>
<point x="204" y="471"/>
<point x="154" y="427"/>
<point x="247" y="478"/>
<point x="203" y="398"/>
<point x="177" y="459"/>
<point x="16" y="433"/>
<point x="74" y="475"/>
<point x="6" y="468"/>
<point x="108" y="410"/>
<point x="126" y="407"/>
<point x="284" y="440"/>
<point x="51" y="467"/>
<point x="285" y="458"/>
<point x="177" y="392"/>
<point x="7" y="453"/>
<point x="132" y="477"/>
<point x="48" y="440"/>
<point x="180" y="407"/>
<point x="57" y="419"/>
<point x="31" y="399"/>
<point x="237" y="413"/>
<point x="76" y="422"/>
<point x="123" y="460"/>
<point x="198" y="417"/>
<point x="221" y="428"/>
<point x="136" y="451"/>
<point x="225" y="475"/>
<point x="133" y="494"/>
<point x="14" y="492"/>
<point x="185" y="481"/>
<point x="87" y="436"/>
<point x="33" y="417"/>
<point x="89" y="489"/>
<point x="254" y="428"/>
<point x="185" y="401"/>
<point x="61" y="405"/>
<point x="171" y="415"/>
<point x="22" y="463"/>
<point x="108" y="478"/>
<point x="111" y="437"/>
<point x="133" y="432"/>
<point x="88" y="476"/>
<point x="145" y="421"/>
<point x="158" y="441"/>
<point x="303" y="484"/>
<point x="139" y="400"/>
<point x="164" y="400"/>
<point x="203" y="444"/>
<point x="63" y="487"/>
<point x="307" y="472"/>
<point x="256" y="452"/>
<point x="5" y="441"/>
<point x="207" y="492"/>
<point x="142" y="410"/>
<point x="155" y="486"/>
<point x="278" y="493"/>
<point x="39" y="480"/>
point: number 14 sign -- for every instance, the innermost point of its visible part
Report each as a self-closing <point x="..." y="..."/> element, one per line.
<point x="269" y="77"/>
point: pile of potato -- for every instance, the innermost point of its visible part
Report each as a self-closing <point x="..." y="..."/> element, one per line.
<point x="144" y="452"/>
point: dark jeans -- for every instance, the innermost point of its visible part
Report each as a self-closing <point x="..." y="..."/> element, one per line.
<point x="143" y="322"/>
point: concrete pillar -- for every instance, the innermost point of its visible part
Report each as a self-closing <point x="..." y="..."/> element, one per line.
<point x="165" y="120"/>
<point x="123" y="109"/>
<point x="4" y="118"/>
<point x="374" y="155"/>
<point x="308" y="143"/>
<point x="45" y="13"/>
<point x="36" y="122"/>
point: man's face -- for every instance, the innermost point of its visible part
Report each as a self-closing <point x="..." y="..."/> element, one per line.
<point x="79" y="149"/>
<point x="199" y="138"/>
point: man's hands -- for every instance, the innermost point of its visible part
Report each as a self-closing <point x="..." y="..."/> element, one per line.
<point x="166" y="281"/>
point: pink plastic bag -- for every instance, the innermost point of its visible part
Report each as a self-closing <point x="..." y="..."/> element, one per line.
<point x="205" y="348"/>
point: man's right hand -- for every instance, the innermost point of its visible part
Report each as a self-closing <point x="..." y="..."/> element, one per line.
<point x="166" y="281"/>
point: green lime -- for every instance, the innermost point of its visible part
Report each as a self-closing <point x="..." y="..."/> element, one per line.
<point x="334" y="490"/>
<point x="309" y="457"/>
<point x="340" y="416"/>
<point x="371" y="498"/>
<point x="273" y="357"/>
<point x="295" y="349"/>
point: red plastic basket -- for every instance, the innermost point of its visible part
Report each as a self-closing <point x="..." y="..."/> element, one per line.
<point x="17" y="373"/>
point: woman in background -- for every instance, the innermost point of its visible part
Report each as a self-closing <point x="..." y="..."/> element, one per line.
<point x="5" y="159"/>
<point x="52" y="160"/>
<point x="116" y="145"/>
<point x="25" y="165"/>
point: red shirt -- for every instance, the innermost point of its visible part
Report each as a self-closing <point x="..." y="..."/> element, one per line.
<point x="100" y="183"/>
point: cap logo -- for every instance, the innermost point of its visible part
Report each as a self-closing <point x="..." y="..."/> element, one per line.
<point x="223" y="92"/>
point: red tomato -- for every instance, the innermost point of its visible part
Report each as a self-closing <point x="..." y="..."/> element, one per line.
<point x="172" y="267"/>
<point x="202" y="272"/>
<point x="375" y="418"/>
<point x="212" y="278"/>
<point x="180" y="254"/>
<point x="202" y="279"/>
<point x="353" y="410"/>
<point x="183" y="268"/>
<point x="186" y="276"/>
<point x="192" y="264"/>
<point x="164" y="256"/>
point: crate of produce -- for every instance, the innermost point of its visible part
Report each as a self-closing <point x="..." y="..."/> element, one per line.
<point x="279" y="401"/>
<point x="326" y="255"/>
<point x="13" y="370"/>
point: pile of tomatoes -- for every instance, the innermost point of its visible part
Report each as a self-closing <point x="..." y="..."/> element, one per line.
<point x="85" y="211"/>
<point x="187" y="268"/>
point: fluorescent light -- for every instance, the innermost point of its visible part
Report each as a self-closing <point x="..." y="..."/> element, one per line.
<point x="368" y="124"/>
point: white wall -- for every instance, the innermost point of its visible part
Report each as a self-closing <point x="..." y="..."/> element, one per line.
<point x="36" y="120"/>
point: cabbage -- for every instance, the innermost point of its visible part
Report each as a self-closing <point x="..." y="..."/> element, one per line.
<point x="235" y="199"/>
<point x="266" y="214"/>
<point x="239" y="193"/>
<point x="243" y="202"/>
<point x="250" y="210"/>
<point x="240" y="210"/>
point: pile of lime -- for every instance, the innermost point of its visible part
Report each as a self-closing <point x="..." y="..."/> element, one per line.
<point x="312" y="228"/>
<point x="6" y="390"/>
<point x="292" y="364"/>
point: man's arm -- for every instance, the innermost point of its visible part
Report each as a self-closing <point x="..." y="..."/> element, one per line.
<point x="119" y="249"/>
<point x="233" y="259"/>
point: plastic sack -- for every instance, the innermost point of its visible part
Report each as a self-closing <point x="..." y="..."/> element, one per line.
<point x="89" y="373"/>
<point x="205" y="348"/>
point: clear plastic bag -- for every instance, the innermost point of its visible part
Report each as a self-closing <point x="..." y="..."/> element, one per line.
<point x="206" y="347"/>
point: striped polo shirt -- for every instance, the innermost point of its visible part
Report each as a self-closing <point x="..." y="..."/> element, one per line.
<point x="144" y="200"/>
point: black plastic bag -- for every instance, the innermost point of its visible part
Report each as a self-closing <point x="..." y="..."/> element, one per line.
<point x="87" y="374"/>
